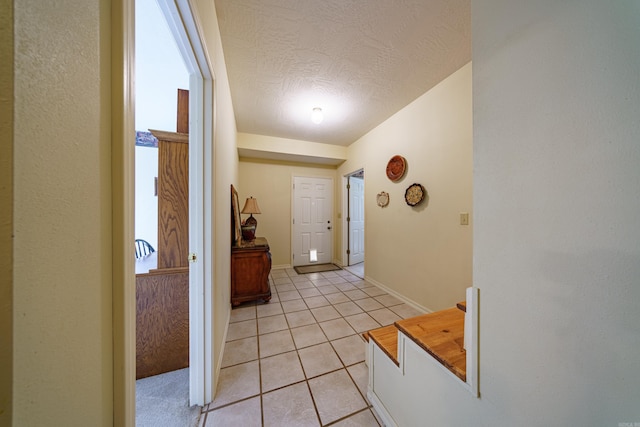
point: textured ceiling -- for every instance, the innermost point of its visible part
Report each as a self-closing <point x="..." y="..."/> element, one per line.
<point x="361" y="61"/>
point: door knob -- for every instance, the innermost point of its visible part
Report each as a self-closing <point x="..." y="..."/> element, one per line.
<point x="328" y="228"/>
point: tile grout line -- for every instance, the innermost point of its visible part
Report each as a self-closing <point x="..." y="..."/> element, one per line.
<point x="259" y="368"/>
<point x="306" y="380"/>
<point x="351" y="287"/>
<point x="368" y="408"/>
<point x="344" y="367"/>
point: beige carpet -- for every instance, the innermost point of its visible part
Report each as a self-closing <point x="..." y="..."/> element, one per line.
<point x="163" y="401"/>
<point x="316" y="268"/>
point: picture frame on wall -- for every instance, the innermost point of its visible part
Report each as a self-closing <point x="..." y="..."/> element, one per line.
<point x="236" y="230"/>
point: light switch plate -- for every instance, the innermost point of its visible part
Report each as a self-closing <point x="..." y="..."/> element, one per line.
<point x="464" y="218"/>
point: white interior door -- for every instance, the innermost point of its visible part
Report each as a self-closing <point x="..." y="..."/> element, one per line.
<point x="201" y="372"/>
<point x="356" y="220"/>
<point x="196" y="243"/>
<point x="312" y="232"/>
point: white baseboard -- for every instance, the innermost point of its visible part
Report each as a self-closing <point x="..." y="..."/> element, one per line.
<point x="218" y="367"/>
<point x="281" y="267"/>
<point x="399" y="296"/>
<point x="380" y="410"/>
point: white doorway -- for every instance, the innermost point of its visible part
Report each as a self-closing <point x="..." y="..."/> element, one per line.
<point x="355" y="218"/>
<point x="201" y="195"/>
<point x="177" y="18"/>
<point x="312" y="233"/>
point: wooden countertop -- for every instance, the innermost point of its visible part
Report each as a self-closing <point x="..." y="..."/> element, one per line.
<point x="441" y="334"/>
<point x="387" y="339"/>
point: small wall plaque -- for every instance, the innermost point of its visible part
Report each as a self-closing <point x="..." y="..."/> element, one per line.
<point x="382" y="199"/>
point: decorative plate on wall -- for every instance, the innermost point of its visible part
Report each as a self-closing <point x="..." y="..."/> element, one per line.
<point x="396" y="167"/>
<point x="415" y="194"/>
<point x="382" y="199"/>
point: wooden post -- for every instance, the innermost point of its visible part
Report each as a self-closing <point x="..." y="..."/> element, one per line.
<point x="182" y="125"/>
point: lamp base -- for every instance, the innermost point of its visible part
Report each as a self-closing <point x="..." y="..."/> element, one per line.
<point x="249" y="228"/>
<point x="248" y="232"/>
<point x="251" y="221"/>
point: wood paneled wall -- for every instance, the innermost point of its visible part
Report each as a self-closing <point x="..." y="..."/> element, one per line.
<point x="162" y="321"/>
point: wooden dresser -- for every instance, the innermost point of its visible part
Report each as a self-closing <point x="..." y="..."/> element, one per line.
<point x="250" y="267"/>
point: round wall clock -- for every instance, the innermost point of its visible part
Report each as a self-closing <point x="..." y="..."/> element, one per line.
<point x="415" y="194"/>
<point x="396" y="167"/>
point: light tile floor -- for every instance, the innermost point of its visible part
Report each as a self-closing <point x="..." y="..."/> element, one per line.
<point x="357" y="269"/>
<point x="299" y="359"/>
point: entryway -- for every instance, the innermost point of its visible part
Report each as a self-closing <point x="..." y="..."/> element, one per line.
<point x="312" y="233"/>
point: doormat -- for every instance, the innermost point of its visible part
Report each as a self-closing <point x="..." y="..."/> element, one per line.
<point x="316" y="268"/>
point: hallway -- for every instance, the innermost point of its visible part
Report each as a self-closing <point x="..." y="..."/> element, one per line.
<point x="299" y="359"/>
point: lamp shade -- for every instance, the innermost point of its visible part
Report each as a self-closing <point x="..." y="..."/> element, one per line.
<point x="251" y="206"/>
<point x="250" y="224"/>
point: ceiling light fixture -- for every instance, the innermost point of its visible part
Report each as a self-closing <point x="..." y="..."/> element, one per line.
<point x="316" y="115"/>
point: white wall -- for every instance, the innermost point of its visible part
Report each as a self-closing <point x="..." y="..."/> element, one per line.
<point x="6" y="213"/>
<point x="146" y="222"/>
<point x="291" y="149"/>
<point x="62" y="349"/>
<point x="557" y="186"/>
<point x="271" y="183"/>
<point x="422" y="253"/>
<point x="556" y="100"/>
<point x="160" y="72"/>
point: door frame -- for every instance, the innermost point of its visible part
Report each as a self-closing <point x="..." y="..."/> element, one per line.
<point x="344" y="257"/>
<point x="123" y="196"/>
<point x="351" y="179"/>
<point x="187" y="36"/>
<point x="123" y="201"/>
